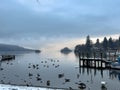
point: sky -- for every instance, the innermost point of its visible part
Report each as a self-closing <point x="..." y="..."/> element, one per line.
<point x="35" y="23"/>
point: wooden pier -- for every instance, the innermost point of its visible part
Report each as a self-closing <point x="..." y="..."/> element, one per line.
<point x="6" y="57"/>
<point x="98" y="63"/>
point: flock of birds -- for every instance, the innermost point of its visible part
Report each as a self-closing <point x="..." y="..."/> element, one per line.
<point x="37" y="76"/>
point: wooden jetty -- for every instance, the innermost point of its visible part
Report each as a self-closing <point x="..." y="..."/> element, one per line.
<point x="98" y="63"/>
<point x="6" y="57"/>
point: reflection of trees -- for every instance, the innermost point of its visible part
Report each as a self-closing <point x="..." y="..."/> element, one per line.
<point x="89" y="71"/>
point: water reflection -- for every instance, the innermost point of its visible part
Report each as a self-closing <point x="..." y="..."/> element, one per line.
<point x="115" y="74"/>
<point x="64" y="73"/>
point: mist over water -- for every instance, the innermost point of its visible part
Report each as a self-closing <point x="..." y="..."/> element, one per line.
<point x="53" y="42"/>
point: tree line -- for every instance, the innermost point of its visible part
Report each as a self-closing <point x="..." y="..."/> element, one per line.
<point x="105" y="45"/>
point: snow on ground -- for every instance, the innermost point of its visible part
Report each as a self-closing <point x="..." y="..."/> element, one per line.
<point x="10" y="87"/>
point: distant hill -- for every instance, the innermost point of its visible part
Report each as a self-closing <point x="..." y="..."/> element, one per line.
<point x="65" y="50"/>
<point x="6" y="47"/>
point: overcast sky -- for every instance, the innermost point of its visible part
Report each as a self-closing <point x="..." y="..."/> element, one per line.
<point x="45" y="20"/>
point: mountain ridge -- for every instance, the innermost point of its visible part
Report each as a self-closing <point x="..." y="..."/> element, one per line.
<point x="9" y="47"/>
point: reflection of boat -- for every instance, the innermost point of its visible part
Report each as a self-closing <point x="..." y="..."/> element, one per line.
<point x="115" y="74"/>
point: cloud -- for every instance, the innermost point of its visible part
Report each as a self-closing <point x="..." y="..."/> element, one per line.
<point x="29" y="20"/>
<point x="38" y="5"/>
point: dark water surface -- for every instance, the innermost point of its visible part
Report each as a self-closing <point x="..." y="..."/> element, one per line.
<point x="52" y="69"/>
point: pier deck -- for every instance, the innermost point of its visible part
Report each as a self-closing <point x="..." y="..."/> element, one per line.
<point x="6" y="57"/>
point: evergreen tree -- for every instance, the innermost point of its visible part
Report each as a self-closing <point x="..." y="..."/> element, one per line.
<point x="97" y="44"/>
<point x="111" y="43"/>
<point x="105" y="44"/>
<point x="87" y="47"/>
<point x="119" y="41"/>
<point x="88" y="44"/>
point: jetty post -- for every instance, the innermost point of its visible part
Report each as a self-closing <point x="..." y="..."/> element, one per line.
<point x="101" y="55"/>
<point x="79" y="59"/>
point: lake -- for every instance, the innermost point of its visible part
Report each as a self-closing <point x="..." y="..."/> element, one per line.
<point x="53" y="70"/>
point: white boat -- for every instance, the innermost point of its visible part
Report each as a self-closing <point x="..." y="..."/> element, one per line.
<point x="116" y="65"/>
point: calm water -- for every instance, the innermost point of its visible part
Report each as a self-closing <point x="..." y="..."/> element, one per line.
<point x="51" y="69"/>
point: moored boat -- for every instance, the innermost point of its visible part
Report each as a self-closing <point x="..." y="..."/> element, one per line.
<point x="116" y="65"/>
